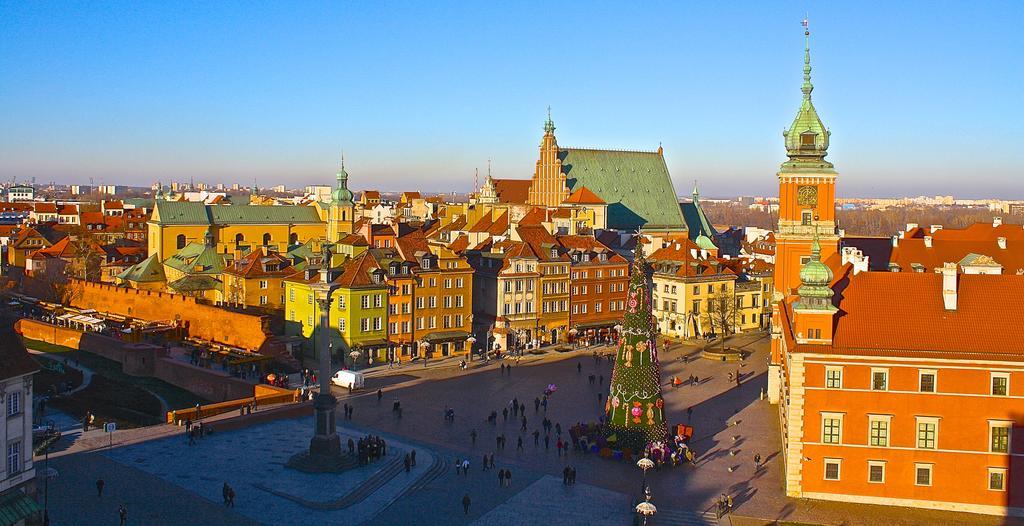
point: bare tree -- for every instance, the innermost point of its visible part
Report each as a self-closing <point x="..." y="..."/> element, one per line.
<point x="721" y="314"/>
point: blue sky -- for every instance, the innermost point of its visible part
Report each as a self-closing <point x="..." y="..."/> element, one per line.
<point x="921" y="97"/>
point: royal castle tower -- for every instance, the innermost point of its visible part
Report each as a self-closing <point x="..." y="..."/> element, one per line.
<point x="341" y="214"/>
<point x="806" y="234"/>
<point x="548" y="186"/>
<point x="807" y="195"/>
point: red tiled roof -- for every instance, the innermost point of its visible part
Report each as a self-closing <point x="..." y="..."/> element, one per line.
<point x="952" y="245"/>
<point x="356" y="272"/>
<point x="583" y="196"/>
<point x="412" y="243"/>
<point x="255" y="263"/>
<point x="541" y="242"/>
<point x="894" y="312"/>
<point x="46" y="208"/>
<point x="512" y="190"/>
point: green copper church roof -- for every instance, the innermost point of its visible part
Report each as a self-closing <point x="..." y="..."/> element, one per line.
<point x="699" y="228"/>
<point x="807" y="138"/>
<point x="197" y="258"/>
<point x="189" y="213"/>
<point x="146" y="271"/>
<point x="636" y="186"/>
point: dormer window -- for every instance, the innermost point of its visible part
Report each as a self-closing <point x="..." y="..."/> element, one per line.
<point x="554" y="253"/>
<point x="425" y="263"/>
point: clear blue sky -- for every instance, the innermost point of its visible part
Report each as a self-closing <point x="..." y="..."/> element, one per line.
<point x="921" y="97"/>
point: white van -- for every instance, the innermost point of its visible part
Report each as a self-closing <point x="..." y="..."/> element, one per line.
<point x="349" y="379"/>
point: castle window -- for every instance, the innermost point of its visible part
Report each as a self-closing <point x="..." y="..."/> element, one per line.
<point x="239" y="238"/>
<point x="180" y="241"/>
<point x="266" y="238"/>
<point x="806" y="217"/>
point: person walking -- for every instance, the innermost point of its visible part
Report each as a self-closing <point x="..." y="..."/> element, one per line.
<point x="380" y="394"/>
<point x="757" y="461"/>
<point x="536" y="437"/>
<point x="519" y="443"/>
<point x="491" y="460"/>
<point x="231" y="497"/>
<point x="565" y="476"/>
<point x="465" y="504"/>
<point x="523" y="427"/>
<point x="412" y="457"/>
<point x="547" y="441"/>
<point x="572" y="476"/>
<point x="504" y="414"/>
<point x="122" y="513"/>
<point x="486" y="465"/>
<point x="508" y="478"/>
<point x="224" y="493"/>
<point x="558" y="445"/>
<point x="501" y="477"/>
<point x="579" y="368"/>
<point x="99" y="488"/>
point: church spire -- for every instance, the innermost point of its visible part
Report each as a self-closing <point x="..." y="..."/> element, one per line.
<point x="549" y="125"/>
<point x="341" y="194"/>
<point x="807" y="138"/>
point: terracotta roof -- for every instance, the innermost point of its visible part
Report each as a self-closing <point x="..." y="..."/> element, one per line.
<point x="460" y="244"/>
<point x="113" y="205"/>
<point x="898" y="312"/>
<point x="583" y="196"/>
<point x="256" y="264"/>
<point x="370" y="194"/>
<point x="46" y="208"/>
<point x="592" y="245"/>
<point x="411" y="243"/>
<point x="512" y="190"/>
<point x="67" y="210"/>
<point x="681" y="252"/>
<point x="356" y="272"/>
<point x="535" y="216"/>
<point x="953" y="245"/>
<point x="541" y="242"/>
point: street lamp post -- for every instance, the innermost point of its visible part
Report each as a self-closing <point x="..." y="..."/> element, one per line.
<point x="471" y="340"/>
<point x="424" y="349"/>
<point x="646" y="508"/>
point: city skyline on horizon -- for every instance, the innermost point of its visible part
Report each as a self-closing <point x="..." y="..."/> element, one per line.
<point x="118" y="120"/>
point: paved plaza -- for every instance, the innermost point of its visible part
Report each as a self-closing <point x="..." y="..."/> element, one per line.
<point x="163" y="480"/>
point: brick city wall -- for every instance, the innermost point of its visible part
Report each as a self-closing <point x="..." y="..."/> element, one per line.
<point x="140" y="359"/>
<point x="203" y="321"/>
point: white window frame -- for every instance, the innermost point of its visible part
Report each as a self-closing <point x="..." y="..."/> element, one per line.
<point x="14" y="403"/>
<point x="988" y="481"/>
<point x="832" y="416"/>
<point x="935" y="380"/>
<point x="888" y="429"/>
<point x="838" y="462"/>
<point x="873" y="464"/>
<point x="992" y="382"/>
<point x="883" y="370"/>
<point x="931" y="473"/>
<point x="1005" y="424"/>
<point x="917" y="431"/>
<point x="834" y="369"/>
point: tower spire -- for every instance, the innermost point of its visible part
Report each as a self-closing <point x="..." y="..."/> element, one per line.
<point x="807" y="88"/>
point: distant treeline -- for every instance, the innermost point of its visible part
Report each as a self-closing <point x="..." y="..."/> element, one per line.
<point x="864" y="222"/>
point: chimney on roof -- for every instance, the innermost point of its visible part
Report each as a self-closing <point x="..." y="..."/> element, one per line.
<point x="996" y="221"/>
<point x="934" y="229"/>
<point x="949" y="277"/>
<point x="895" y="241"/>
<point x="928" y="241"/>
<point x="1001" y="241"/>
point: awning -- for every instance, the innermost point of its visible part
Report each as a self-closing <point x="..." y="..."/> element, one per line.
<point x="446" y="336"/>
<point x="370" y="344"/>
<point x="16" y="507"/>
<point x="596" y="325"/>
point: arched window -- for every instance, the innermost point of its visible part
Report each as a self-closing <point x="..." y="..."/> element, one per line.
<point x="239" y="239"/>
<point x="293" y="239"/>
<point x="181" y="241"/>
<point x="266" y="238"/>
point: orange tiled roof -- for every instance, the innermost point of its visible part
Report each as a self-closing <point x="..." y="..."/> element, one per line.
<point x="256" y="264"/>
<point x="46" y="208"/>
<point x="583" y="196"/>
<point x="952" y="245"/>
<point x="897" y="312"/>
<point x="356" y="272"/>
<point x="541" y="242"/>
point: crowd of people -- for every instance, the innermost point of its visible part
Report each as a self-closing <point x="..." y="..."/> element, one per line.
<point x="368" y="449"/>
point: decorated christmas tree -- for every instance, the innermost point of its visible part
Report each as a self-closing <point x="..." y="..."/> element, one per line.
<point x="635" y="408"/>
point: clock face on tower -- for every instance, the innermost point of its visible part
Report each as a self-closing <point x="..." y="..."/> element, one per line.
<point x="807" y="195"/>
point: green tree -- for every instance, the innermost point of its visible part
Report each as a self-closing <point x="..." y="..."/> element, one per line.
<point x="635" y="408"/>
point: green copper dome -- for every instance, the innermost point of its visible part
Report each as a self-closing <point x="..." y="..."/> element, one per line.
<point x="341" y="194"/>
<point x="705" y="242"/>
<point x="815" y="282"/>
<point x="807" y="138"/>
